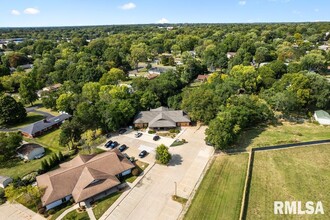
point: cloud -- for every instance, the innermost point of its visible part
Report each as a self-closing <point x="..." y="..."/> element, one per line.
<point x="127" y="6"/>
<point x="31" y="11"/>
<point x="15" y="12"/>
<point x="163" y="21"/>
<point x="242" y="3"/>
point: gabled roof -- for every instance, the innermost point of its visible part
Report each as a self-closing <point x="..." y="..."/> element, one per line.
<point x="38" y="126"/>
<point x="320" y="114"/>
<point x="84" y="176"/>
<point x="26" y="149"/>
<point x="161" y="117"/>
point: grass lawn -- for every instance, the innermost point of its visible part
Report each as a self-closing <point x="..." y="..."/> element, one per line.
<point x="60" y="209"/>
<point x="30" y="118"/>
<point x="220" y="193"/>
<point x="43" y="109"/>
<point x="77" y="216"/>
<point x="18" y="168"/>
<point x="141" y="166"/>
<point x="103" y="204"/>
<point x="283" y="134"/>
<point x="299" y="174"/>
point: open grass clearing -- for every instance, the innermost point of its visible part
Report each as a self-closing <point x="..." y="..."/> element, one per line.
<point x="220" y="193"/>
<point x="285" y="133"/>
<point x="296" y="174"/>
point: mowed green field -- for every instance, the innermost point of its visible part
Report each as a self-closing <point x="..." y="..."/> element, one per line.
<point x="285" y="133"/>
<point x="220" y="193"/>
<point x="297" y="174"/>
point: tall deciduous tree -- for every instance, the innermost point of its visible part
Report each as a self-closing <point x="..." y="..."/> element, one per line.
<point x="11" y="111"/>
<point x="27" y="90"/>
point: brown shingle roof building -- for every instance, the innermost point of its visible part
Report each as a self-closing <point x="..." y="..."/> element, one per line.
<point x="161" y="117"/>
<point x="83" y="177"/>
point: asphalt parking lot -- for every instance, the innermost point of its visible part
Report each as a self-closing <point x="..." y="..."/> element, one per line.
<point x="136" y="145"/>
<point x="151" y="198"/>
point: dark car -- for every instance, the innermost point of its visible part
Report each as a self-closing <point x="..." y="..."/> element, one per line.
<point x="108" y="144"/>
<point x="156" y="138"/>
<point x="139" y="134"/>
<point x="122" y="131"/>
<point x="143" y="153"/>
<point x="122" y="147"/>
<point x="114" y="144"/>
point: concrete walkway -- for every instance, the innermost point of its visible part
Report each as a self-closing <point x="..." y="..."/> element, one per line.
<point x="67" y="211"/>
<point x="124" y="194"/>
<point x="16" y="211"/>
<point x="89" y="210"/>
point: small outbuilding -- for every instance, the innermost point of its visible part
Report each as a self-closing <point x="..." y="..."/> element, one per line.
<point x="5" y="181"/>
<point x="322" y="117"/>
<point x="30" y="151"/>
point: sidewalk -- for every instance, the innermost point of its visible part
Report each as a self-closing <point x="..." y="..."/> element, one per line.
<point x="123" y="196"/>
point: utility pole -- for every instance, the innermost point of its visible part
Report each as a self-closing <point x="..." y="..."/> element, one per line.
<point x="175" y="188"/>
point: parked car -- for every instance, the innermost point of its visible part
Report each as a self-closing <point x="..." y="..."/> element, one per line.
<point x="108" y="135"/>
<point x="122" y="131"/>
<point x="114" y="144"/>
<point x="122" y="147"/>
<point x="139" y="134"/>
<point x="143" y="153"/>
<point x="108" y="144"/>
<point x="156" y="138"/>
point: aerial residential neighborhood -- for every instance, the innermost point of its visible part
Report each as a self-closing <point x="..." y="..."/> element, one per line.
<point x="176" y="110"/>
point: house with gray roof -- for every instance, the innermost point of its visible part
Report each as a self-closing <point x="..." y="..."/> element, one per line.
<point x="5" y="181"/>
<point x="30" y="151"/>
<point x="322" y="117"/>
<point x="161" y="118"/>
<point x="40" y="127"/>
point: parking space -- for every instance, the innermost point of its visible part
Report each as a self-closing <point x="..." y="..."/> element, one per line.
<point x="136" y="145"/>
<point x="17" y="212"/>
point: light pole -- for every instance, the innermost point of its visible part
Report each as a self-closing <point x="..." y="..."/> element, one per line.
<point x="175" y="188"/>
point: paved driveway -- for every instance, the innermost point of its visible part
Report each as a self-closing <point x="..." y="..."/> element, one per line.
<point x="17" y="212"/>
<point x="151" y="198"/>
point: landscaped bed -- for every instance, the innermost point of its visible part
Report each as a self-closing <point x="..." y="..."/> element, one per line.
<point x="296" y="174"/>
<point x="76" y="215"/>
<point x="141" y="166"/>
<point x="220" y="193"/>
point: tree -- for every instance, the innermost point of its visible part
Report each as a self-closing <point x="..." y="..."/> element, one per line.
<point x="67" y="102"/>
<point x="9" y="142"/>
<point x="28" y="196"/>
<point x="313" y="61"/>
<point x="70" y="133"/>
<point x="262" y="55"/>
<point x="139" y="52"/>
<point x="162" y="154"/>
<point x="112" y="77"/>
<point x="27" y="90"/>
<point x="90" y="91"/>
<point x="149" y="100"/>
<point x="11" y="112"/>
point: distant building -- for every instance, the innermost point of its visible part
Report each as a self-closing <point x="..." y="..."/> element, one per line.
<point x="202" y="78"/>
<point x="231" y="55"/>
<point x="324" y="47"/>
<point x="5" y="181"/>
<point x="322" y="117"/>
<point x="40" y="127"/>
<point x="83" y="177"/>
<point x="161" y="118"/>
<point x="51" y="88"/>
<point x="30" y="151"/>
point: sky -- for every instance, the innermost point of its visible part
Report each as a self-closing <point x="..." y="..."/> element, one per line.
<point x="40" y="13"/>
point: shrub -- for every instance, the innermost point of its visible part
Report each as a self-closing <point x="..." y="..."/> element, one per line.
<point x="51" y="211"/>
<point x="174" y="130"/>
<point x="42" y="210"/>
<point x="46" y="215"/>
<point x="151" y="132"/>
<point x="135" y="172"/>
<point x="2" y="193"/>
